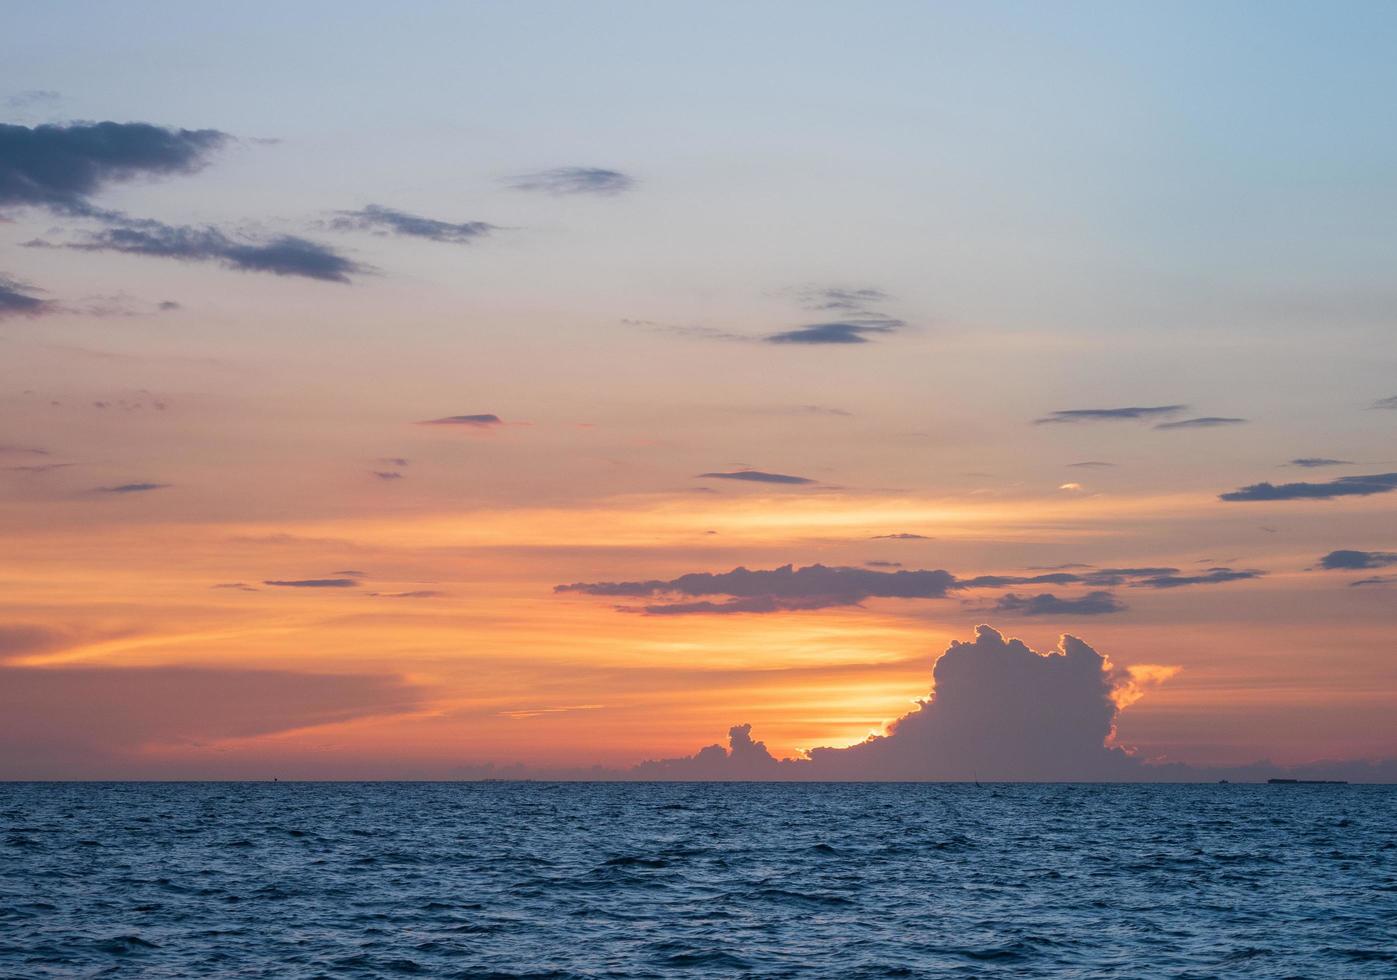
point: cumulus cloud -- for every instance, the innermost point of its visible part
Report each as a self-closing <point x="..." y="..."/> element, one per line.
<point x="60" y="166"/>
<point x="998" y="711"/>
<point x="1047" y="604"/>
<point x="574" y="180"/>
<point x="1314" y="462"/>
<point x="1345" y="559"/>
<point x="471" y="421"/>
<point x="313" y="583"/>
<point x="1072" y="415"/>
<point x="1344" y="486"/>
<point x="282" y="255"/>
<point x="789" y="589"/>
<point x="1206" y="422"/>
<point x="131" y="488"/>
<point x="381" y="220"/>
<point x="16" y="299"/>
<point x="756" y="476"/>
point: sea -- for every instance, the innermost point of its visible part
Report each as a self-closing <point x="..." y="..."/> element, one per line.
<point x="535" y="879"/>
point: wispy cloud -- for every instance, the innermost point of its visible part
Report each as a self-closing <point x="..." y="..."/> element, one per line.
<point x="1071" y="415"/>
<point x="313" y="583"/>
<point x="1314" y="462"/>
<point x="1386" y="403"/>
<point x="574" y="180"/>
<point x="383" y="221"/>
<point x="757" y="476"/>
<point x="1206" y="422"/>
<point x="485" y="421"/>
<point x="17" y="299"/>
<point x="131" y="488"/>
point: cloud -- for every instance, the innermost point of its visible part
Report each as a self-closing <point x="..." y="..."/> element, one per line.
<point x="397" y="461"/>
<point x="32" y="97"/>
<point x="15" y="300"/>
<point x="1344" y="486"/>
<point x="858" y="300"/>
<point x="22" y="640"/>
<point x="37" y="467"/>
<point x="1386" y="403"/>
<point x="282" y="255"/>
<point x="1072" y="415"/>
<point x="1313" y="462"/>
<point x="789" y="589"/>
<point x="998" y="711"/>
<point x="903" y="536"/>
<point x="415" y="594"/>
<point x="574" y="180"/>
<point x="883" y="564"/>
<point x="1090" y="464"/>
<point x="472" y="421"/>
<point x="237" y="586"/>
<point x="387" y="474"/>
<point x="131" y="488"/>
<point x="1348" y="560"/>
<point x="756" y="476"/>
<point x="1206" y="422"/>
<point x="1377" y="580"/>
<point x="60" y="166"/>
<point x="1212" y="576"/>
<point x="1047" y="604"/>
<point x="313" y="583"/>
<point x="382" y="220"/>
<point x="852" y="331"/>
<point x="97" y="722"/>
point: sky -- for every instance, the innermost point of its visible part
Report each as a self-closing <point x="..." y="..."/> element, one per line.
<point x="894" y="391"/>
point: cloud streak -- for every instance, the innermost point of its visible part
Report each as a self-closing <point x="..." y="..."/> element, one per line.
<point x="574" y="180"/>
<point x="757" y="476"/>
<point x="1074" y="415"/>
<point x="382" y="220"/>
<point x="1349" y="560"/>
<point x="1344" y="486"/>
<point x="1206" y="422"/>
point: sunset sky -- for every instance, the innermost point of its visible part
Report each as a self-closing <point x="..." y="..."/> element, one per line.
<point x="335" y="337"/>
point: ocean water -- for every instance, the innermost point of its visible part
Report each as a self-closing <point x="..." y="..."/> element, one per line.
<point x="700" y="879"/>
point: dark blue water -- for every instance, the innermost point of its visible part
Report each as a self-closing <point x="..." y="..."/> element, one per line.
<point x="656" y="880"/>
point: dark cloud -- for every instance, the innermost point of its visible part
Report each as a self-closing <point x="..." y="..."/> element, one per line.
<point x="1090" y="464"/>
<point x="415" y="594"/>
<point x="474" y="421"/>
<point x="851" y="331"/>
<point x="387" y="474"/>
<point x="1206" y="422"/>
<point x="1313" y="462"/>
<point x="1388" y="403"/>
<point x="23" y="639"/>
<point x="169" y="306"/>
<point x="313" y="583"/>
<point x="903" y="536"/>
<point x="382" y="220"/>
<point x="95" y="722"/>
<point x="574" y="180"/>
<point x="131" y="488"/>
<point x="1350" y="560"/>
<point x="61" y="166"/>
<point x="883" y="564"/>
<point x="1108" y="414"/>
<point x="1344" y="486"/>
<point x="756" y="476"/>
<point x="998" y="711"/>
<point x="15" y="300"/>
<point x="283" y="255"/>
<point x="1212" y="576"/>
<point x="789" y="589"/>
<point x="1047" y="604"/>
